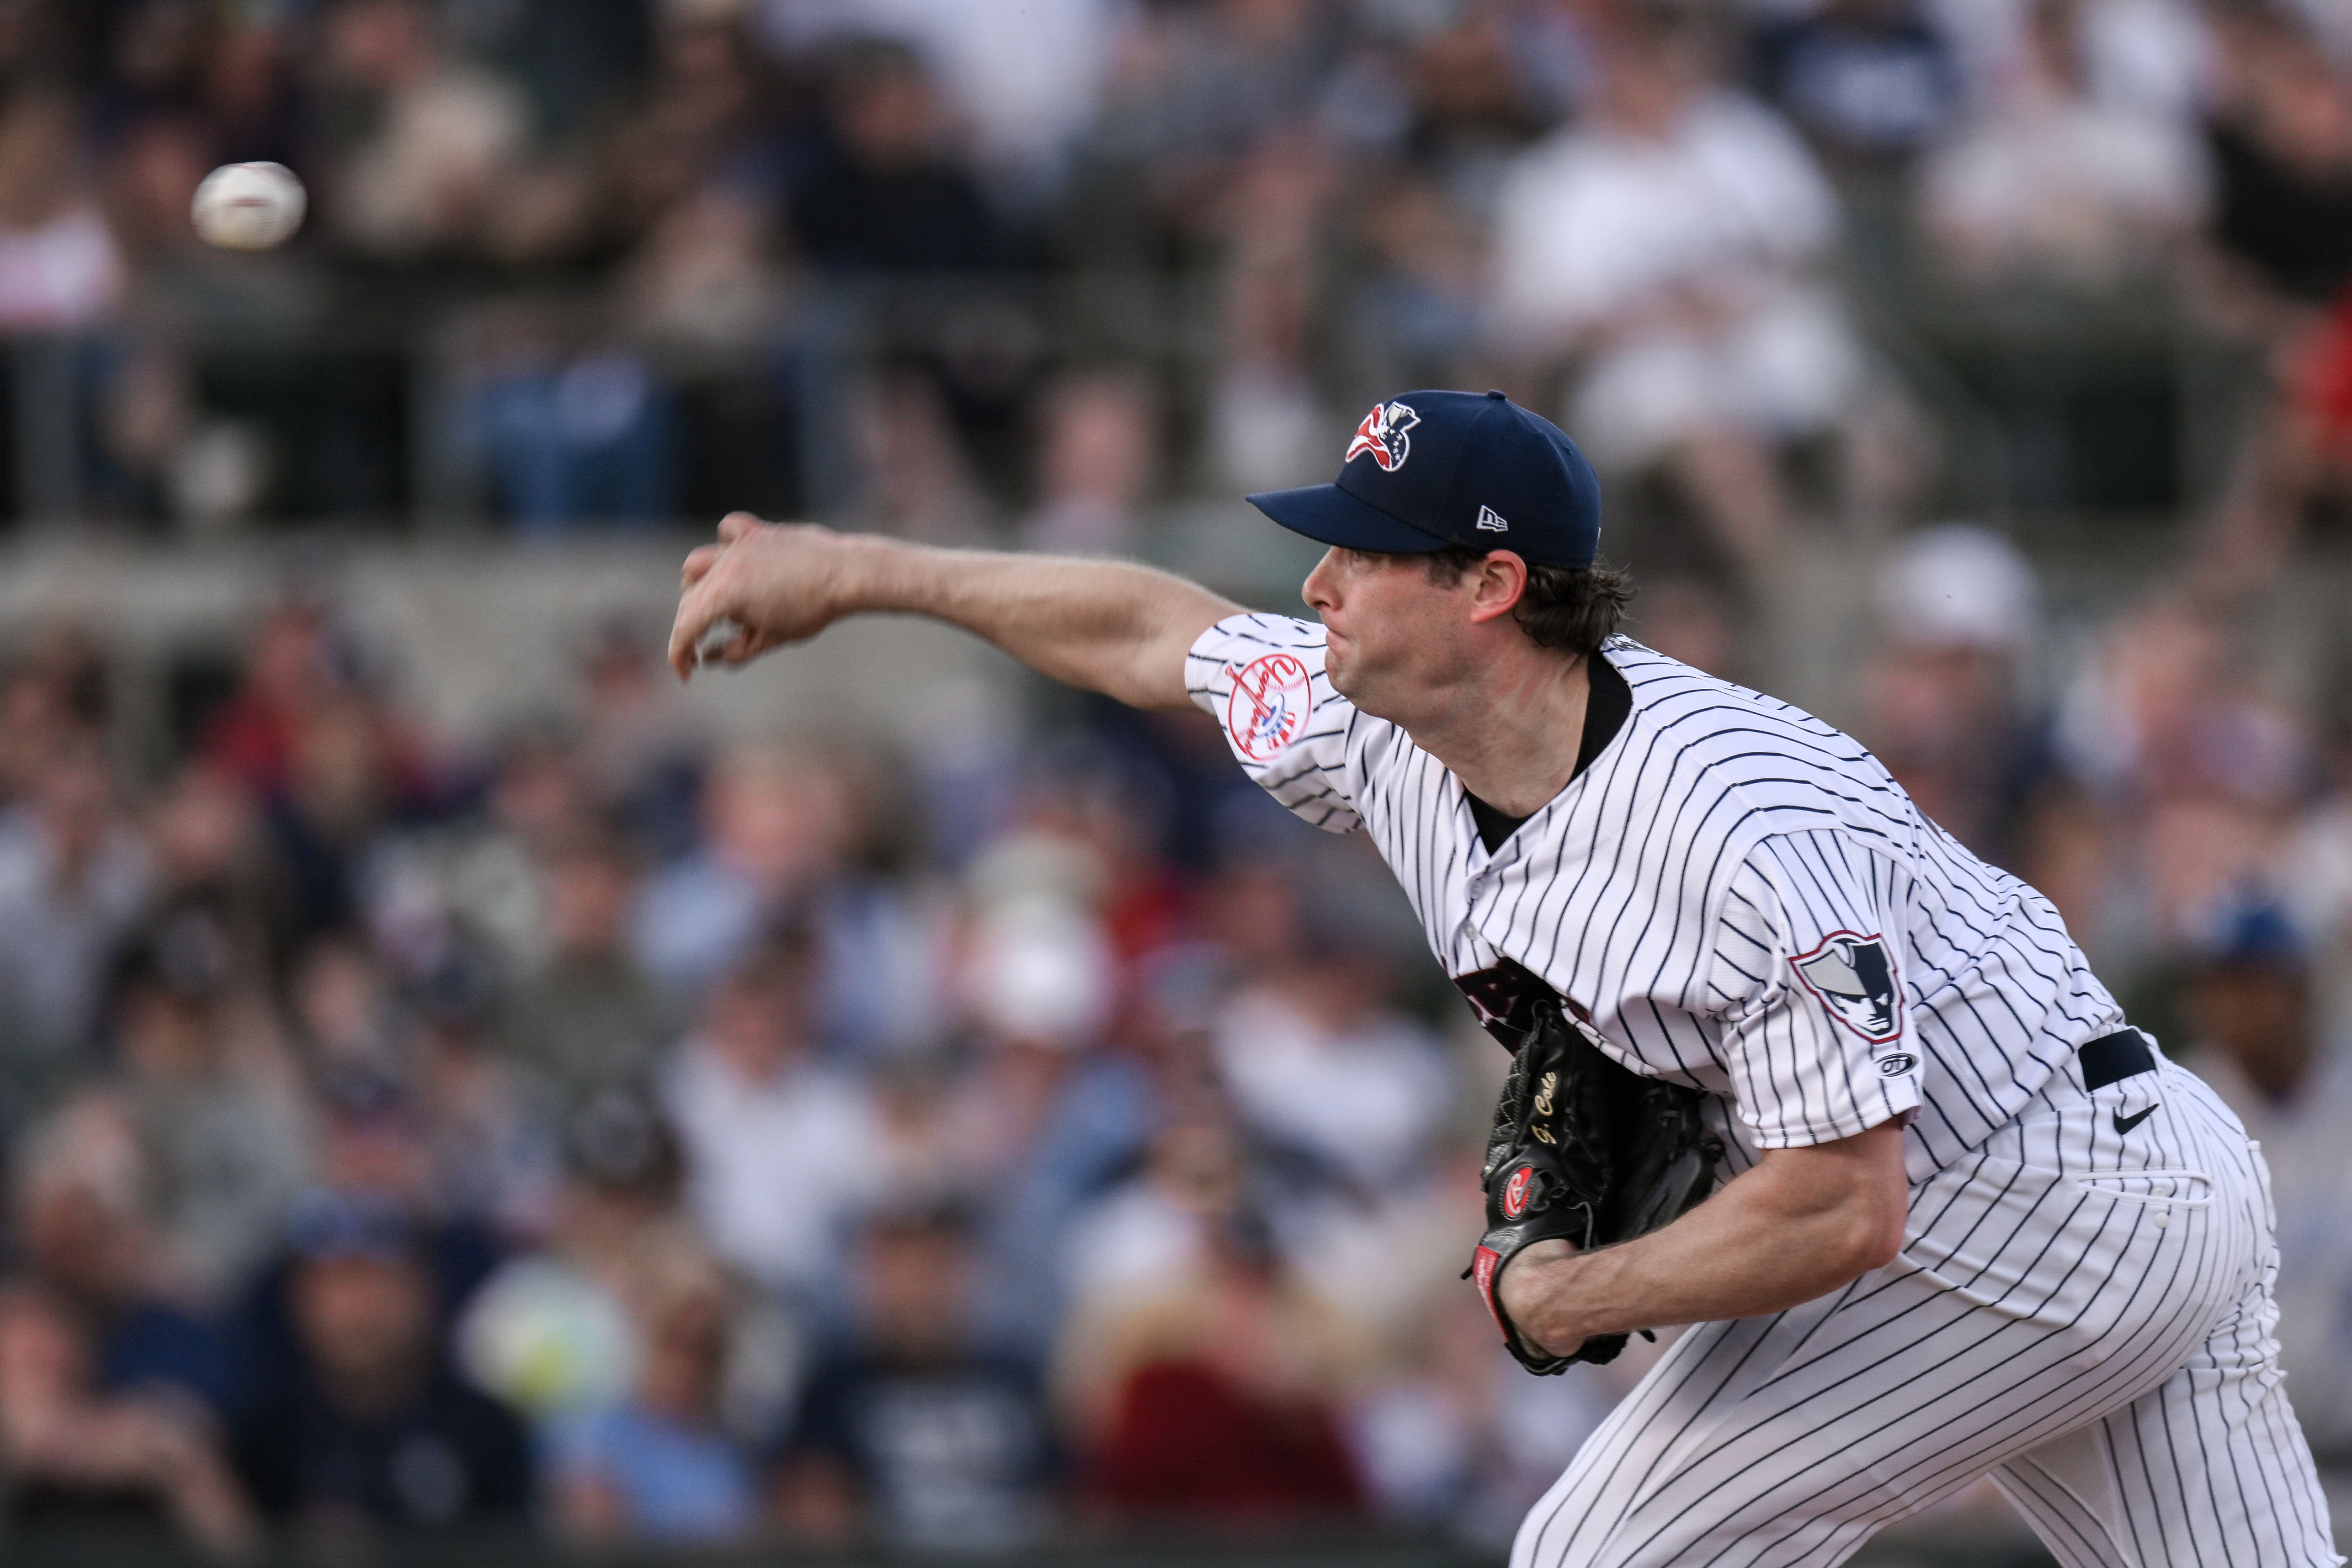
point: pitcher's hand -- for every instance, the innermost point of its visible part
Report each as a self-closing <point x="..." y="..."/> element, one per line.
<point x="779" y="582"/>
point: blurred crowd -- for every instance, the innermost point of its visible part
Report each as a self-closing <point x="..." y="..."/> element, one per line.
<point x="627" y="1132"/>
<point x="609" y="1132"/>
<point x="984" y="270"/>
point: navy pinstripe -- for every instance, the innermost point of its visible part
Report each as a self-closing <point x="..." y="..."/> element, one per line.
<point x="1741" y="898"/>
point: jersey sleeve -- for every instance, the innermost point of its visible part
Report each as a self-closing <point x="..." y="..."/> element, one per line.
<point x="1261" y="678"/>
<point x="1807" y="977"/>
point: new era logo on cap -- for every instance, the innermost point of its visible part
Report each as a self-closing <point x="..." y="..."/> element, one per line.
<point x="1484" y="473"/>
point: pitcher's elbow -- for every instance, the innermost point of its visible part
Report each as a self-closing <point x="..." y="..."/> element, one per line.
<point x="1878" y="1240"/>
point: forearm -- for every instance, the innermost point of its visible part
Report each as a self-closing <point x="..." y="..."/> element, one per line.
<point x="1776" y="1235"/>
<point x="1107" y="626"/>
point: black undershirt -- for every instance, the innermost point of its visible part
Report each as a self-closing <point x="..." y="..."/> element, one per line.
<point x="1607" y="705"/>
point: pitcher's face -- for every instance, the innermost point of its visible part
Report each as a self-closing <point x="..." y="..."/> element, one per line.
<point x="1394" y="636"/>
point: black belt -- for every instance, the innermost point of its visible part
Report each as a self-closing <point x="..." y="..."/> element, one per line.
<point x="2112" y="1058"/>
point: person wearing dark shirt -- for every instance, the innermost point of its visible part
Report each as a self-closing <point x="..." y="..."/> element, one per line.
<point x="376" y="1429"/>
<point x="85" y="1241"/>
<point x="2280" y="143"/>
<point x="882" y="193"/>
<point x="881" y="197"/>
<point x="1870" y="82"/>
<point x="75" y="1457"/>
<point x="2280" y="276"/>
<point x="913" y="1433"/>
<point x="370" y="1144"/>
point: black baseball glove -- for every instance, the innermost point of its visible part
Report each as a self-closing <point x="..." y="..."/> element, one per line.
<point x="1587" y="1151"/>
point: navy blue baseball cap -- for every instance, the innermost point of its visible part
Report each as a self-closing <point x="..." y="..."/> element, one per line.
<point x="1430" y="469"/>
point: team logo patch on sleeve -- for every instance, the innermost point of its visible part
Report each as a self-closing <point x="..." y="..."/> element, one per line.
<point x="1382" y="434"/>
<point x="1268" y="708"/>
<point x="1854" y="980"/>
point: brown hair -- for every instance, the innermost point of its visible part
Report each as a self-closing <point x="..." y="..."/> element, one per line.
<point x="1575" y="609"/>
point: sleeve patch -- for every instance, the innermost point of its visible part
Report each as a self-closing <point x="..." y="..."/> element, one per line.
<point x="1854" y="980"/>
<point x="1269" y="706"/>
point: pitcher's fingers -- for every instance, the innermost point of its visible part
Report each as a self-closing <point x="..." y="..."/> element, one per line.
<point x="735" y="524"/>
<point x="699" y="562"/>
<point x="695" y="614"/>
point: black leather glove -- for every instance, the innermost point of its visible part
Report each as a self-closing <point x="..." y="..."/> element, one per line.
<point x="1585" y="1152"/>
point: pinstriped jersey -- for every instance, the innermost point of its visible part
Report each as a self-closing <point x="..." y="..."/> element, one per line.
<point x="1733" y="893"/>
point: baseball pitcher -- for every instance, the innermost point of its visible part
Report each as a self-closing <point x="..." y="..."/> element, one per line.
<point x="1789" y="1063"/>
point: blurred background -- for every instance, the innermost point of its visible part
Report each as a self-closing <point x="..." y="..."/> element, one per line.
<point x="462" y="1093"/>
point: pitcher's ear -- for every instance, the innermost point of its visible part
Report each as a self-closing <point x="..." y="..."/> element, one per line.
<point x="1499" y="583"/>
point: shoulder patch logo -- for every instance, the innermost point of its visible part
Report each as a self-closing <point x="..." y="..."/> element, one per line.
<point x="1492" y="521"/>
<point x="1382" y="433"/>
<point x="1854" y="978"/>
<point x="1269" y="706"/>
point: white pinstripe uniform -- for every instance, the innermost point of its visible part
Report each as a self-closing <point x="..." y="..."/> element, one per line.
<point x="1740" y="898"/>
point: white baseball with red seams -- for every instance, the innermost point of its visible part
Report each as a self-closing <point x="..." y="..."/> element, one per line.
<point x="1738" y="898"/>
<point x="248" y="206"/>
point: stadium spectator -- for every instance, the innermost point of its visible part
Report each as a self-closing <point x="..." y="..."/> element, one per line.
<point x="1158" y="1226"/>
<point x="204" y="833"/>
<point x="1323" y="1068"/>
<point x="375" y="1430"/>
<point x="1022" y="93"/>
<point x="2053" y="183"/>
<point x="1095" y="465"/>
<point x="2281" y="255"/>
<point x="1667" y="245"/>
<point x="658" y="1466"/>
<point x="2255" y="1038"/>
<point x="643" y="758"/>
<point x="2281" y="147"/>
<point x="1873" y="82"/>
<point x="443" y="139"/>
<point x="372" y="1158"/>
<point x="60" y="266"/>
<point x="777" y="829"/>
<point x="1453" y="1439"/>
<point x="1216" y="1398"/>
<point x="74" y="878"/>
<point x="1041" y="1118"/>
<point x="587" y="439"/>
<point x="777" y="1143"/>
<point x="72" y="1455"/>
<point x="490" y="1141"/>
<point x="84" y="1238"/>
<point x="588" y="1018"/>
<point x="217" y="1112"/>
<point x="917" y="1432"/>
<point x="2193" y="772"/>
<point x="886" y="192"/>
<point x="1942" y="693"/>
<point x="549" y="1332"/>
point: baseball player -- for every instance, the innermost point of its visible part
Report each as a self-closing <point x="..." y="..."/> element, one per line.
<point x="1970" y="1222"/>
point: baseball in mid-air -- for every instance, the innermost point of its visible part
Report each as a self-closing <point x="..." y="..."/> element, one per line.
<point x="248" y="206"/>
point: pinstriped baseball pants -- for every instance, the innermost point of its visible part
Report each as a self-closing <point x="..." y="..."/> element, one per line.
<point x="2082" y="1310"/>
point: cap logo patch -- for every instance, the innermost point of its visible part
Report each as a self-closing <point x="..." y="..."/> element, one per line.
<point x="1492" y="520"/>
<point x="1268" y="708"/>
<point x="1854" y="978"/>
<point x="1382" y="434"/>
